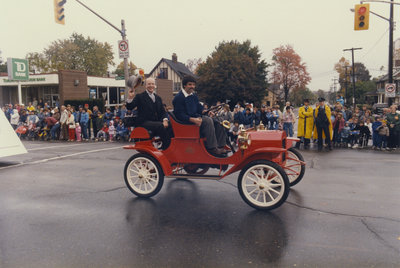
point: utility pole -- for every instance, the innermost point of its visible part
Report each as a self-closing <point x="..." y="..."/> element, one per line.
<point x="335" y="82"/>
<point x="345" y="84"/>
<point x="122" y="31"/>
<point x="353" y="72"/>
<point x="390" y="74"/>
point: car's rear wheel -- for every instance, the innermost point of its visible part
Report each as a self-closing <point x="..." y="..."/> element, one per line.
<point x="143" y="175"/>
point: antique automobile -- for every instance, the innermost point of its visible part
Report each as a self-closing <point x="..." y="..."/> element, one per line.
<point x="267" y="163"/>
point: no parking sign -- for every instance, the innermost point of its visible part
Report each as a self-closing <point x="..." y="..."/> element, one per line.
<point x="123" y="49"/>
<point x="390" y="90"/>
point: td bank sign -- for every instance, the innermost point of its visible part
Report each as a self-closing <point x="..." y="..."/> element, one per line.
<point x="18" y="69"/>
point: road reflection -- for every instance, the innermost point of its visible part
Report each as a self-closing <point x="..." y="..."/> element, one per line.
<point x="184" y="224"/>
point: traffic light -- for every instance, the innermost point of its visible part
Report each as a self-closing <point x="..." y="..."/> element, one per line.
<point x="361" y="17"/>
<point x="59" y="11"/>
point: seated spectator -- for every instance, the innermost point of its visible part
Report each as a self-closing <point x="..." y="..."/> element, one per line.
<point x="121" y="132"/>
<point x="103" y="133"/>
<point x="54" y="126"/>
<point x="354" y="132"/>
<point x="345" y="135"/>
<point x="364" y="135"/>
<point x="234" y="132"/>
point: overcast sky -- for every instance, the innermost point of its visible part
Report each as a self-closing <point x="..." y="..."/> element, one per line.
<point x="318" y="30"/>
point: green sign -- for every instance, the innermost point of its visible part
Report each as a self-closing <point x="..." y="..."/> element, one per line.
<point x="18" y="69"/>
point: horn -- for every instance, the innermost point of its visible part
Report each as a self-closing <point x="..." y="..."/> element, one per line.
<point x="226" y="124"/>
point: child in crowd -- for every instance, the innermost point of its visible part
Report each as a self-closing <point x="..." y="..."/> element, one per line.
<point x="364" y="135"/>
<point x="345" y="135"/>
<point x="111" y="130"/>
<point x="78" y="131"/>
<point x="71" y="126"/>
<point x="376" y="139"/>
<point x="234" y="132"/>
<point x="103" y="133"/>
<point x="338" y="126"/>
<point x="354" y="132"/>
<point x="121" y="132"/>
<point x="383" y="132"/>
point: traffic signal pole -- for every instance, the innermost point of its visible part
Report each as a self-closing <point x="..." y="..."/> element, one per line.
<point x="390" y="74"/>
<point x="122" y="31"/>
<point x="391" y="28"/>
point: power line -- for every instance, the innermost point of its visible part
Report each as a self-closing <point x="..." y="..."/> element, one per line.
<point x="375" y="44"/>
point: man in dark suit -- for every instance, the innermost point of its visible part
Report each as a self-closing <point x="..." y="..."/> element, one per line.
<point x="151" y="112"/>
<point x="189" y="110"/>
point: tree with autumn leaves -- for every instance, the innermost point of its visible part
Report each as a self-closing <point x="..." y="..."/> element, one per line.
<point x="288" y="70"/>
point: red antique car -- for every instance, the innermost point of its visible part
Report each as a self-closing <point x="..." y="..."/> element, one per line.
<point x="268" y="165"/>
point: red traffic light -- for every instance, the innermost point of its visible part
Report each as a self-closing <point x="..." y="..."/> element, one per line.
<point x="362" y="10"/>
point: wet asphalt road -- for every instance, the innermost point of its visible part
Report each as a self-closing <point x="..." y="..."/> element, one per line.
<point x="66" y="205"/>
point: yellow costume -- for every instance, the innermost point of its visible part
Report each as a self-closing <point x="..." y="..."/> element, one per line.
<point x="306" y="122"/>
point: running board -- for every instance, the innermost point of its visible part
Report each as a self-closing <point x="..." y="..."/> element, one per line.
<point x="188" y="176"/>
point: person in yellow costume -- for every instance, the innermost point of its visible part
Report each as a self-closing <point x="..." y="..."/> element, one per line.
<point x="323" y="124"/>
<point x="305" y="124"/>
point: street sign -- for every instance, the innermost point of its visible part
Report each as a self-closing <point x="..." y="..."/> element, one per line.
<point x="123" y="49"/>
<point x="18" y="69"/>
<point x="390" y="90"/>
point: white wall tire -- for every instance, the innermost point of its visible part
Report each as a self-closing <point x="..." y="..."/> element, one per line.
<point x="143" y="175"/>
<point x="263" y="185"/>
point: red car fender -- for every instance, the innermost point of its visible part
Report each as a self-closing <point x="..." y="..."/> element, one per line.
<point x="156" y="154"/>
<point x="271" y="154"/>
<point x="290" y="140"/>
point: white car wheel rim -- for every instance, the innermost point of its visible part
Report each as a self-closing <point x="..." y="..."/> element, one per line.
<point x="263" y="185"/>
<point x="142" y="175"/>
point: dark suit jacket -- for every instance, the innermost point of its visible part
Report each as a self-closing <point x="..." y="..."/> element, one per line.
<point x="147" y="109"/>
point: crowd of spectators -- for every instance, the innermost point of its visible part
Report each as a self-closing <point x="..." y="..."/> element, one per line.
<point x="41" y="122"/>
<point x="357" y="128"/>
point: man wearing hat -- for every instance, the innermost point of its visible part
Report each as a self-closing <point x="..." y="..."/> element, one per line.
<point x="305" y="124"/>
<point x="151" y="112"/>
<point x="323" y="124"/>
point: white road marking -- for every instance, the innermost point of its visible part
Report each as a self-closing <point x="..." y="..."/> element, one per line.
<point x="49" y="147"/>
<point x="60" y="157"/>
